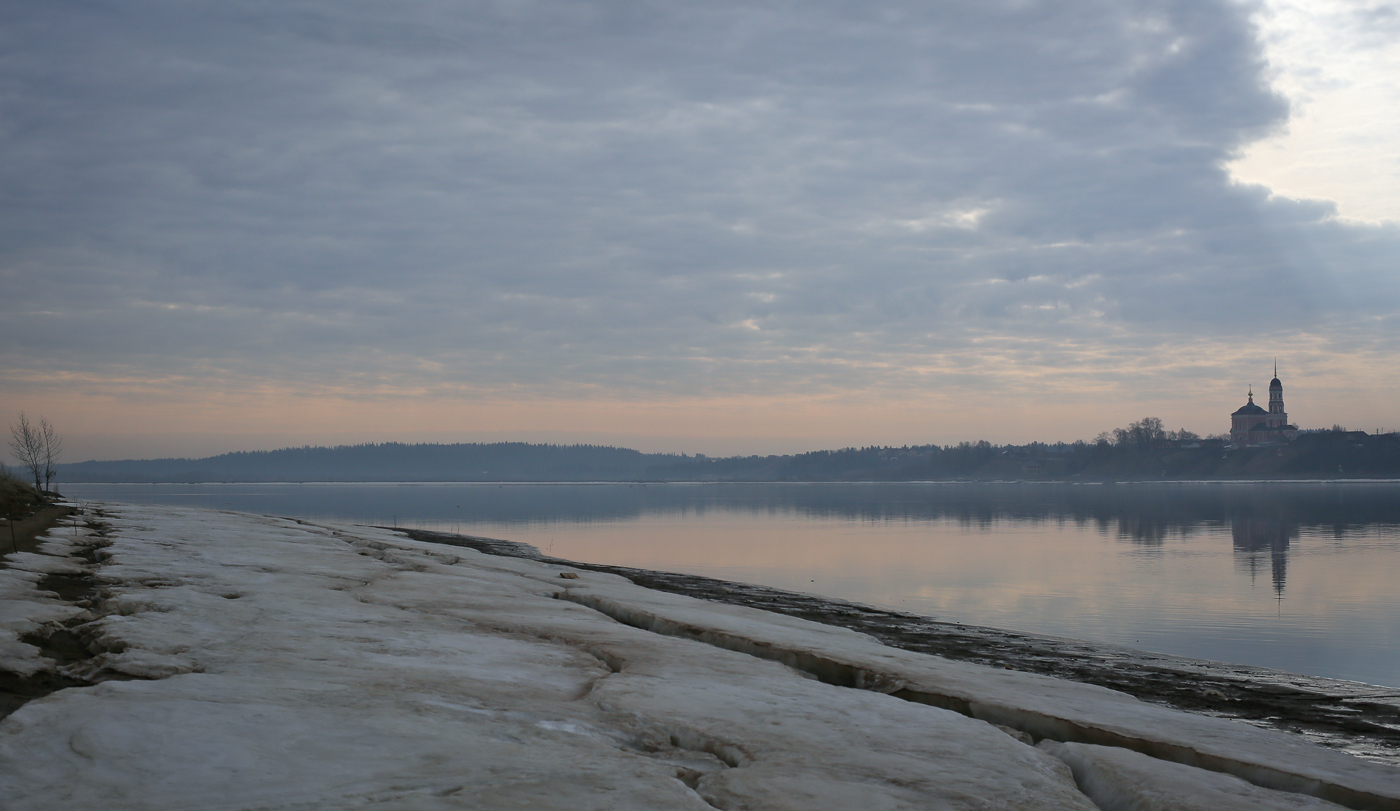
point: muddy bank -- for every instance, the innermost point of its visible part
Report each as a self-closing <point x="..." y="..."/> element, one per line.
<point x="22" y="535"/>
<point x="66" y="642"/>
<point x="1361" y="719"/>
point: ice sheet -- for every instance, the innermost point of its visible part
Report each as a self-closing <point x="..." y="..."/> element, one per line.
<point x="287" y="665"/>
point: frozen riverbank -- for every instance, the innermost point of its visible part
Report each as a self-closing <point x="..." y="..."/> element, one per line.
<point x="1361" y="719"/>
<point x="253" y="662"/>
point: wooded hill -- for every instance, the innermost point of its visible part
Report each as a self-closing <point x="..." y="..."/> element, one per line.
<point x="1326" y="454"/>
<point x="386" y="462"/>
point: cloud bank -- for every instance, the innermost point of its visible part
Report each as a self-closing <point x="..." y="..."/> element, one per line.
<point x="657" y="200"/>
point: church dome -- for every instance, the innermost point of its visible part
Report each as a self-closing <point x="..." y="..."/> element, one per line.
<point x="1275" y="384"/>
<point x="1249" y="408"/>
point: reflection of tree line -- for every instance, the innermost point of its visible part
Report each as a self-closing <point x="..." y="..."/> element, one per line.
<point x="1262" y="517"/>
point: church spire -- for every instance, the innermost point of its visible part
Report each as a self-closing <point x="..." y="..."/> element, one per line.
<point x="1276" y="395"/>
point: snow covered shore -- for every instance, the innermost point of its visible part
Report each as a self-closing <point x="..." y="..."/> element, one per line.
<point x="234" y="661"/>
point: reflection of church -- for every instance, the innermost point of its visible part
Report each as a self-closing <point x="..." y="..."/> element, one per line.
<point x="1254" y="536"/>
<point x="1252" y="425"/>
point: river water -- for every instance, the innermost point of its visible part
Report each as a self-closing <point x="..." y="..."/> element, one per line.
<point x="1302" y="577"/>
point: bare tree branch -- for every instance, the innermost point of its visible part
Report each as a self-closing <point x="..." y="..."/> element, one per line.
<point x="53" y="449"/>
<point x="27" y="444"/>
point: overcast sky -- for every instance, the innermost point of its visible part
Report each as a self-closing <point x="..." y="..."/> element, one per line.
<point x="716" y="227"/>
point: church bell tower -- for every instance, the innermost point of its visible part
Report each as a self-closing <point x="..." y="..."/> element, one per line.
<point x="1276" y="396"/>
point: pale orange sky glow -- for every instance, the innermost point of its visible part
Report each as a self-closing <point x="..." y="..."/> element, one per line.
<point x="727" y="230"/>
<point x="162" y="419"/>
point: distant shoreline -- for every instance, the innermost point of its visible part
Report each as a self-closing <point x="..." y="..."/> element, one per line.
<point x="1327" y="455"/>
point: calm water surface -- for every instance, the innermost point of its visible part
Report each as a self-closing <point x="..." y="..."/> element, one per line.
<point x="1297" y="576"/>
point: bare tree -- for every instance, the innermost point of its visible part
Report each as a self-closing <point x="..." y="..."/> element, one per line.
<point x="53" y="449"/>
<point x="27" y="444"/>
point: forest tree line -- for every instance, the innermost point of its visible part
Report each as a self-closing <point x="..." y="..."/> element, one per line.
<point x="1143" y="450"/>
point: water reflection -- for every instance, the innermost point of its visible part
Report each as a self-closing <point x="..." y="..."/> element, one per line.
<point x="1264" y="519"/>
<point x="1193" y="569"/>
<point x="1146" y="514"/>
<point x="1255" y="538"/>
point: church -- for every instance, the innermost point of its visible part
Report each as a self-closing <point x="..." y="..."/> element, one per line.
<point x="1252" y="425"/>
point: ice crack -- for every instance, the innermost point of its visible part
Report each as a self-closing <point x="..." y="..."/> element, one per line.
<point x="1038" y="725"/>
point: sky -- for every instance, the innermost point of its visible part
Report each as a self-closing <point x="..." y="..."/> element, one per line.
<point x="757" y="227"/>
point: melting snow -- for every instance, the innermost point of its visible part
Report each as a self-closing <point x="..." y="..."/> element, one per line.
<point x="238" y="662"/>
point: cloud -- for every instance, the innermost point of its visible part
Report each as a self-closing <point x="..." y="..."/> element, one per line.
<point x="1336" y="61"/>
<point x="647" y="198"/>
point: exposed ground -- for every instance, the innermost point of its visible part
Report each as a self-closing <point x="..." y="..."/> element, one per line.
<point x="60" y="641"/>
<point x="21" y="535"/>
